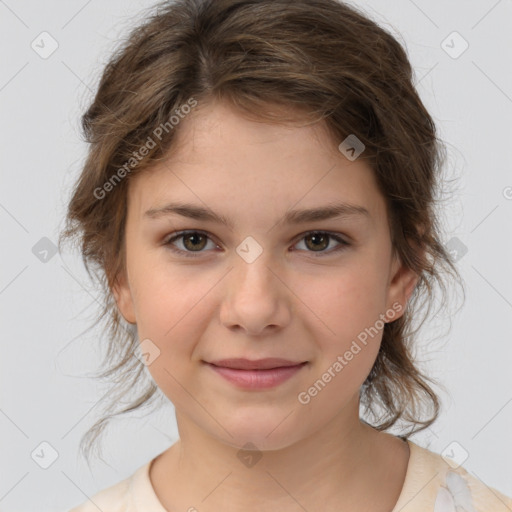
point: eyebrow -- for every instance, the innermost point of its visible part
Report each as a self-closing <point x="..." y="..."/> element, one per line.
<point x="329" y="211"/>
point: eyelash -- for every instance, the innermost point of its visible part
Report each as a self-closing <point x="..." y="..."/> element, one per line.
<point x="194" y="254"/>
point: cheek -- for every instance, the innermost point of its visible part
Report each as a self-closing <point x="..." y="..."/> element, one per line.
<point x="167" y="297"/>
<point x="346" y="299"/>
<point x="171" y="313"/>
<point x="347" y="331"/>
<point x="345" y="309"/>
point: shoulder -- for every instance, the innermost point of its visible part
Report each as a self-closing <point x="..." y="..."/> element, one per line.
<point x="116" y="498"/>
<point x="437" y="483"/>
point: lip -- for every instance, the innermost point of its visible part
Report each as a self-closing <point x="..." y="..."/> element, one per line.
<point x="255" y="364"/>
<point x="259" y="374"/>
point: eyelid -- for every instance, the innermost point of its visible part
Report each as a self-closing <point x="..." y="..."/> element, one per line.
<point x="179" y="234"/>
<point x="338" y="237"/>
<point x="334" y="235"/>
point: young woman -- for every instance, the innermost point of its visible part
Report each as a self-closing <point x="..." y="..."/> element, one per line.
<point x="258" y="203"/>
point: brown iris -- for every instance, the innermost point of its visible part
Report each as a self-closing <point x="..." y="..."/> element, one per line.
<point x="317" y="237"/>
<point x="193" y="236"/>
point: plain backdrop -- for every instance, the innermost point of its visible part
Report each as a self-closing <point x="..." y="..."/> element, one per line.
<point x="47" y="400"/>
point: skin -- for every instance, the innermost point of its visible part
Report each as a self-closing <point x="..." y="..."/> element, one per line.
<point x="287" y="303"/>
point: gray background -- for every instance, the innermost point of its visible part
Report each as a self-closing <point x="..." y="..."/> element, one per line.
<point x="45" y="392"/>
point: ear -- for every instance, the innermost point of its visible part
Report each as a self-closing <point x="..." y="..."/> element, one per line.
<point x="401" y="285"/>
<point x="123" y="296"/>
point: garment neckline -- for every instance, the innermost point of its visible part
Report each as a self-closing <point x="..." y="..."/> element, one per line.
<point x="407" y="480"/>
<point x="144" y="496"/>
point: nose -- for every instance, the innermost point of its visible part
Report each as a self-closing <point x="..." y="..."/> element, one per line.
<point x="256" y="298"/>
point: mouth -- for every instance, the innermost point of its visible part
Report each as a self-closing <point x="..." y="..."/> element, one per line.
<point x="256" y="374"/>
<point x="268" y="363"/>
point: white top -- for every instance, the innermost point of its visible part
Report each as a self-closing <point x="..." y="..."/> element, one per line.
<point x="431" y="484"/>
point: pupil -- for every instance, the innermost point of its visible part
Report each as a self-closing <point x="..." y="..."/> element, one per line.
<point x="316" y="236"/>
<point x="188" y="237"/>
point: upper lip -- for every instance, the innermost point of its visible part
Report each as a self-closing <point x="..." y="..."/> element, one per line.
<point x="256" y="364"/>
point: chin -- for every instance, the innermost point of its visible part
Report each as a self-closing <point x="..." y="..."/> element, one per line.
<point x="264" y="434"/>
<point x="258" y="441"/>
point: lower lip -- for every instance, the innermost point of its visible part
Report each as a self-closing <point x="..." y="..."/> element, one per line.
<point x="257" y="379"/>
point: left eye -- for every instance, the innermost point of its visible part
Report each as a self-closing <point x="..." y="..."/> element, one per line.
<point x="195" y="242"/>
<point x="320" y="240"/>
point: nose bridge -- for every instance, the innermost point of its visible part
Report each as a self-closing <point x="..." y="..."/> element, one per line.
<point x="255" y="296"/>
<point x="252" y="272"/>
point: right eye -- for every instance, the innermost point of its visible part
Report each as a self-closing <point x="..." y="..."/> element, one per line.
<point x="192" y="239"/>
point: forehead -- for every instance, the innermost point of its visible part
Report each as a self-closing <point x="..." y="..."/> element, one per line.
<point x="223" y="160"/>
<point x="220" y="123"/>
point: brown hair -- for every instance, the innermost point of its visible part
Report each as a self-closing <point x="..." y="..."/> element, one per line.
<point x="321" y="60"/>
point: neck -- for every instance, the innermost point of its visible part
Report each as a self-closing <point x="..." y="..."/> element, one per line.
<point x="340" y="461"/>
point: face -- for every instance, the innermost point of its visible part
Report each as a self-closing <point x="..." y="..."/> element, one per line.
<point x="312" y="291"/>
